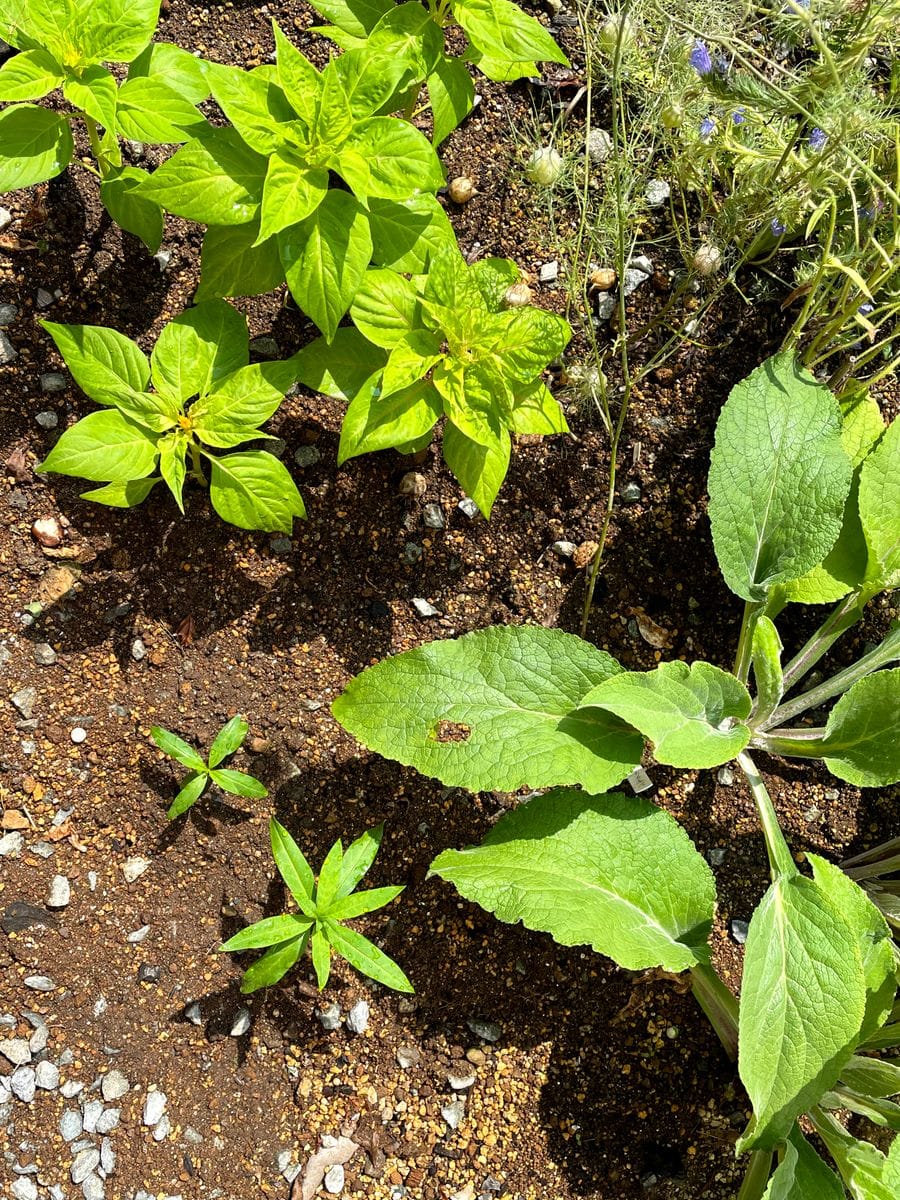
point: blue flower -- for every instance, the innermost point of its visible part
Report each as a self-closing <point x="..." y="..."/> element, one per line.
<point x="778" y="227"/>
<point x="700" y="60"/>
<point x="866" y="214"/>
<point x="707" y="128"/>
<point x="737" y="117"/>
<point x="816" y="140"/>
<point x="865" y="309"/>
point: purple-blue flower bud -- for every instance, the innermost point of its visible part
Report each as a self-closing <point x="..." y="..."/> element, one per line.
<point x="700" y="60"/>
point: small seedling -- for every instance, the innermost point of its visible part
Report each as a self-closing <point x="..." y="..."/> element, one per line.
<point x="324" y="903"/>
<point x="229" y="739"/>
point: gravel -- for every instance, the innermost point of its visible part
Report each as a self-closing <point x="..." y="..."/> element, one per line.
<point x="433" y="516"/>
<point x="24" y="700"/>
<point x="488" y="1031"/>
<point x="408" y="1056"/>
<point x="11" y="844"/>
<point x="307" y="456"/>
<point x="461" y="1083"/>
<point x="47" y="419"/>
<point x="8" y="312"/>
<point x="24" y="1189"/>
<point x="468" y="507"/>
<point x="424" y="608"/>
<point x="162" y="1128"/>
<point x="739" y="931"/>
<point x="133" y="868"/>
<point x="60" y="892"/>
<point x="92" y="1188"/>
<point x="92" y="1111"/>
<point x="53" y="381"/>
<point x="8" y="352"/>
<point x="114" y="1085"/>
<point x="138" y="650"/>
<point x="39" y="983"/>
<point x="107" y="1156"/>
<point x="334" y="1179"/>
<point x="108" y="1120"/>
<point x="44" y="654"/>
<point x="454" y="1113"/>
<point x="70" y="1125"/>
<point x="17" y="1051"/>
<point x="330" y="1017"/>
<point x="46" y="1075"/>
<point x="241" y="1023"/>
<point x="358" y="1017"/>
<point x="84" y="1163"/>
<point x="22" y="1084"/>
<point x="657" y="193"/>
<point x="154" y="1107"/>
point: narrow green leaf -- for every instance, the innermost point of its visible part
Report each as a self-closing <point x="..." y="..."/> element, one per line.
<point x="333" y="120"/>
<point x="321" y="955"/>
<point x="299" y="79"/>
<point x="358" y="857"/>
<point x="803" y="1000"/>
<point x="767" y="674"/>
<point x="216" y="179"/>
<point x="362" y="902"/>
<point x="329" y="878"/>
<point x="151" y="111"/>
<point x="173" y="465"/>
<point x="29" y="76"/>
<point x="104" y="447"/>
<point x="778" y="478"/>
<point x="232" y="264"/>
<point x="177" y="748"/>
<point x="879" y="510"/>
<point x="103" y="362"/>
<point x="253" y="490"/>
<point x="229" y="738"/>
<point x="274" y="964"/>
<point x="293" y="867"/>
<point x="198" y="349"/>
<point x="292" y="192"/>
<point x="367" y="958"/>
<point x="494" y="710"/>
<point x="612" y="872"/>
<point x="863" y="1169"/>
<point x="37" y="144"/>
<point x="862" y="737"/>
<point x="122" y="495"/>
<point x="188" y="796"/>
<point x="236" y="783"/>
<point x="801" y="1174"/>
<point x="871" y="1076"/>
<point x="268" y="932"/>
<point x="451" y="92"/>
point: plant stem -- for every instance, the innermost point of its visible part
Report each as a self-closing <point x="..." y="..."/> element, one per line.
<point x="96" y="148"/>
<point x="752" y="612"/>
<point x="719" y="1005"/>
<point x="780" y="861"/>
<point x="196" y="467"/>
<point x="876" y="853"/>
<point x="843" y="617"/>
<point x="791" y="743"/>
<point x="885" y="866"/>
<point x="757" y="1178"/>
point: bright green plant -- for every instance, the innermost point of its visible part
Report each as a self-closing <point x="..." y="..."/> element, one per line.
<point x="325" y="904"/>
<point x="804" y="507"/>
<point x="64" y="44"/>
<point x="229" y="739"/>
<point x="268" y="186"/>
<point x="204" y="397"/>
<point x="504" y="43"/>
<point x="442" y="344"/>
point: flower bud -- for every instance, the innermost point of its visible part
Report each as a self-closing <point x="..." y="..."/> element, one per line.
<point x="461" y="189"/>
<point x="672" y="116"/>
<point x="544" y="166"/>
<point x="603" y="278"/>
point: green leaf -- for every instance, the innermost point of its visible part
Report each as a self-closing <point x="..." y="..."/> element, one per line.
<point x="299" y="79"/>
<point x="216" y="179"/>
<point x="274" y="964"/>
<point x="103" y="447"/>
<point x="199" y="348"/>
<point x="229" y="738"/>
<point x="480" y="469"/>
<point x="452" y="95"/>
<point x="493" y="710"/>
<point x="861" y="743"/>
<point x="37" y="144"/>
<point x="493" y="276"/>
<point x="104" y="363"/>
<point x="863" y="1169"/>
<point x="372" y="80"/>
<point x="385" y="307"/>
<point x="237" y="783"/>
<point x="499" y="29"/>
<point x="246" y="398"/>
<point x="358" y="17"/>
<point x="95" y="93"/>
<point x="409" y="33"/>
<point x="329" y="878"/>
<point x="367" y="958"/>
<point x="293" y="867"/>
<point x="400" y="158"/>
<point x="801" y="1174"/>
<point x="128" y="207"/>
<point x="879" y="1111"/>
<point x="155" y="412"/>
<point x="249" y="102"/>
<point x="231" y="264"/>
<point x="357" y="859"/>
<point x="116" y="30"/>
<point x="410" y="361"/>
<point x="122" y="495"/>
<point x="341" y="369"/>
<point x="325" y="258"/>
<point x="871" y="1076"/>
<point x="374" y="423"/>
<point x="778" y="478"/>
<point x="29" y="76"/>
<point x="173" y="465"/>
<point x="879" y="510"/>
<point x="682" y="710"/>
<point x="362" y="902"/>
<point x="253" y="490"/>
<point x="536" y="410"/>
<point x="333" y="121"/>
<point x="531" y="339"/>
<point x="802" y="1005"/>
<point x="171" y="744"/>
<point x="767" y="674"/>
<point x="292" y="192"/>
<point x="176" y="67"/>
<point x="150" y="111"/>
<point x="321" y="956"/>
<point x="477" y="398"/>
<point x="269" y="932"/>
<point x="612" y="872"/>
<point x="405" y="235"/>
<point x="190" y="793"/>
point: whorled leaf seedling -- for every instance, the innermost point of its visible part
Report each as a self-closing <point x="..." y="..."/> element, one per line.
<point x="229" y="739"/>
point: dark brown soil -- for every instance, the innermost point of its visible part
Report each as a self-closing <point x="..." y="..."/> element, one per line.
<point x="602" y="1084"/>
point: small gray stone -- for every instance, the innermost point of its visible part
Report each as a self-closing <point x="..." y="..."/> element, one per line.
<point x="44" y="298"/>
<point x="84" y="1163"/>
<point x="241" y="1023"/>
<point x="657" y="193"/>
<point x="488" y="1031"/>
<point x="70" y="1124"/>
<point x="433" y="516"/>
<point x="24" y="1188"/>
<point x="454" y="1113"/>
<point x="133" y="868"/>
<point x="281" y="545"/>
<point x="108" y="1120"/>
<point x="24" y="700"/>
<point x="47" y="419"/>
<point x="91" y="1112"/>
<point x="193" y="1014"/>
<point x="137" y="935"/>
<point x="53" y="381"/>
<point x="12" y="844"/>
<point x="44" y="654"/>
<point x="599" y="145"/>
<point x="43" y="849"/>
<point x="114" y="1085"/>
<point x="154" y="1107"/>
<point x="8" y="352"/>
<point x="631" y="492"/>
<point x="461" y="1083"/>
<point x="307" y="456"/>
<point x="22" y="1084"/>
<point x="716" y="856"/>
<point x="739" y="931"/>
<point x="358" y="1017"/>
<point x="39" y="983"/>
<point x="468" y="507"/>
<point x="162" y="258"/>
<point x="60" y="892"/>
<point x="412" y="553"/>
<point x="548" y="272"/>
<point x="101" y="1004"/>
<point x="107" y="1156"/>
<point x="71" y="1088"/>
<point x="92" y="1188"/>
<point x="17" y="1051"/>
<point x="334" y="1179"/>
<point x="330" y="1017"/>
<point x="264" y="347"/>
<point x="564" y="549"/>
<point x="8" y="313"/>
<point x="46" y="1075"/>
<point x="162" y="1128"/>
<point x="5" y="214"/>
<point x="191" y="1136"/>
<point x="408" y="1056"/>
<point x="38" y="1040"/>
<point x="424" y="609"/>
<point x="138" y="650"/>
<point x="725" y="776"/>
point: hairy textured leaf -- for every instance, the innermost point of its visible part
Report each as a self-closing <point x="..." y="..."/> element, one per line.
<point x="802" y="1175"/>
<point x="253" y="490"/>
<point x="862" y="737"/>
<point x="778" y="478"/>
<point x="494" y="709"/>
<point x="103" y="362"/>
<point x="681" y="709"/>
<point x="767" y="673"/>
<point x="103" y="447"/>
<point x="803" y="999"/>
<point x="37" y="144"/>
<point x="216" y="179"/>
<point x="612" y="872"/>
<point x="879" y="510"/>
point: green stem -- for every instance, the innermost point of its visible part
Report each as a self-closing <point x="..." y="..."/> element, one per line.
<point x="752" y="612"/>
<point x="757" y="1178"/>
<point x="719" y="1005"/>
<point x="843" y="617"/>
<point x="791" y="743"/>
<point x="780" y="861"/>
<point x="96" y="148"/>
<point x="876" y="853"/>
<point x="885" y="866"/>
<point x="196" y="470"/>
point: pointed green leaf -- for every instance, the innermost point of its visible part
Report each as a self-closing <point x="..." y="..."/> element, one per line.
<point x="871" y="1076"/>
<point x="293" y="867"/>
<point x="343" y="368"/>
<point x="362" y="902"/>
<point x="151" y="111"/>
<point x="321" y="956"/>
<point x="372" y="80"/>
<point x="410" y="361"/>
<point x="29" y="76"/>
<point x="406" y="234"/>
<point x="176" y="67"/>
<point x="189" y="795"/>
<point x="122" y="495"/>
<point x="216" y="179"/>
<point x="253" y="490"/>
<point x="385" y="307"/>
<point x="249" y="102"/>
<point x="803" y="1000"/>
<point x="879" y="510"/>
<point x="536" y="410"/>
<point x="173" y="465"/>
<point x="864" y="1170"/>
<point x="237" y="783"/>
<point x="367" y="958"/>
<point x="494" y="709"/>
<point x="199" y="348"/>
<point x="451" y="92"/>
<point x="801" y="1174"/>
<point x="333" y="120"/>
<point x="329" y="877"/>
<point x="269" y="932"/>
<point x="358" y="857"/>
<point x="231" y="264"/>
<point x="177" y="748"/>
<point x="375" y="423"/>
<point x="612" y="872"/>
<point x="531" y="339"/>
<point x="400" y="158"/>
<point x="502" y="30"/>
<point x="229" y="738"/>
<point x="862" y="737"/>
<point x="103" y="447"/>
<point x="37" y="145"/>
<point x="124" y="202"/>
<point x="480" y="469"/>
<point x="358" y="17"/>
<point x="292" y="192"/>
<point x="115" y="30"/>
<point x="778" y="478"/>
<point x="274" y="964"/>
<point x="767" y="674"/>
<point x="95" y="93"/>
<point x="103" y="362"/>
<point x="155" y="412"/>
<point x="299" y="79"/>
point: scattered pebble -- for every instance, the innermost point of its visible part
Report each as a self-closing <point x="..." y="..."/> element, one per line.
<point x="725" y="776"/>
<point x="84" y="1164"/>
<point x="24" y="700"/>
<point x="108" y="1120"/>
<point x="24" y="1188"/>
<point x="162" y="1129"/>
<point x="60" y="892"/>
<point x="138" y="935"/>
<point x="11" y="844"/>
<point x="281" y="545"/>
<point x="433" y="516"/>
<point x="138" y="650"/>
<point x="412" y="553"/>
<point x="657" y="193"/>
<point x="739" y="931"/>
<point x="44" y="654"/>
<point x="154" y="1107"/>
<point x="606" y="305"/>
<point x="424" y="609"/>
<point x="599" y="145"/>
<point x="162" y="258"/>
<point x="476" y="1057"/>
<point x="48" y="532"/>
<point x="133" y="868"/>
<point x="70" y="1124"/>
<point x="264" y="347"/>
<point x="408" y="1056"/>
<point x="564" y="549"/>
<point x="716" y="856"/>
<point x="8" y="312"/>
<point x="358" y="1017"/>
<point x="38" y="1040"/>
<point x="114" y="1085"/>
<point x="334" y="1179"/>
<point x="241" y="1024"/>
<point x="8" y="352"/>
<point x="46" y="1075"/>
<point x="47" y="418"/>
<point x="71" y="1088"/>
<point x="53" y="381"/>
<point x="307" y="456"/>
<point x="631" y="492"/>
<point x="548" y="272"/>
<point x="330" y="1017"/>
<point x="22" y="1084"/>
<point x="17" y="1051"/>
<point x="78" y="735"/>
<point x="461" y="1083"/>
<point x="44" y="298"/>
<point x="488" y="1031"/>
<point x="192" y="1137"/>
<point x="100" y="1006"/>
<point x="468" y="507"/>
<point x="193" y="1014"/>
<point x="92" y="1188"/>
<point x="148" y="973"/>
<point x="39" y="983"/>
<point x="454" y="1113"/>
<point x="107" y="1156"/>
<point x="5" y="214"/>
<point x="43" y="849"/>
<point x="91" y="1112"/>
<point x="639" y="781"/>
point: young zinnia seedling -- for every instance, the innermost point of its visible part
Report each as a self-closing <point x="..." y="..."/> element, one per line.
<point x="324" y="903"/>
<point x="229" y="739"/>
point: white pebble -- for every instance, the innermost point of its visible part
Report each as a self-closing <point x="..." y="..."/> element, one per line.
<point x="39" y="983"/>
<point x="358" y="1017"/>
<point x="241" y="1023"/>
<point x="108" y="1120"/>
<point x="92" y="1188"/>
<point x="83" y="1164"/>
<point x="423" y="608"/>
<point x="78" y="735"/>
<point x="71" y="1088"/>
<point x="134" y="867"/>
<point x="114" y="1085"/>
<point x="154" y="1107"/>
<point x="107" y="1156"/>
<point x="334" y="1179"/>
<point x="46" y="1075"/>
<point x="22" y="1084"/>
<point x="70" y="1124"/>
<point x="91" y="1111"/>
<point x="24" y="1189"/>
<point x="60" y="892"/>
<point x="17" y="1051"/>
<point x="162" y="1128"/>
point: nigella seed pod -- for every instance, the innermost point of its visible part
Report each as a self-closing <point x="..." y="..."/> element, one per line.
<point x="461" y="189"/>
<point x="615" y="29"/>
<point x="707" y="260"/>
<point x="544" y="166"/>
<point x="517" y="294"/>
<point x="672" y="116"/>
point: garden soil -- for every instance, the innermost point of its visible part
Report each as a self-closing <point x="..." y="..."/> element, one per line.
<point x="589" y="1081"/>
